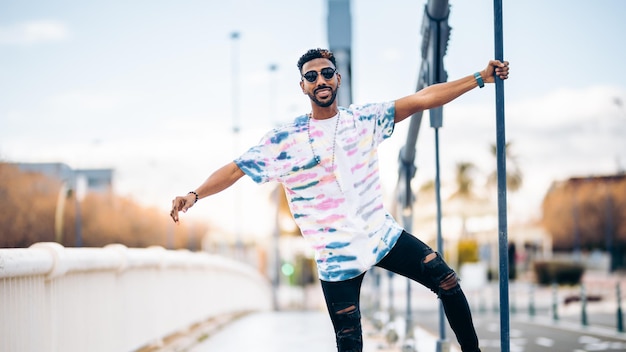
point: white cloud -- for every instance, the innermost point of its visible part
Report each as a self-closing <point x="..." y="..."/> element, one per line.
<point x="34" y="32"/>
<point x="80" y="101"/>
<point x="565" y="107"/>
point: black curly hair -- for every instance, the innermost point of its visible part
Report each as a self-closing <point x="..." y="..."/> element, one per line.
<point x="316" y="54"/>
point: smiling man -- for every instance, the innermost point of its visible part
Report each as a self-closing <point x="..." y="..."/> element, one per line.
<point x="327" y="162"/>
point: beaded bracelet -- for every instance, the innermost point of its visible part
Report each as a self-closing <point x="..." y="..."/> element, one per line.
<point x="195" y="194"/>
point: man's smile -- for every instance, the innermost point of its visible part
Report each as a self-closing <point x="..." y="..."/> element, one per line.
<point x="323" y="92"/>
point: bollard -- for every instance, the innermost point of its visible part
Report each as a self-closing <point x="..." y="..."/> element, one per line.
<point x="531" y="300"/>
<point x="555" y="301"/>
<point x="409" y="335"/>
<point x="512" y="307"/>
<point x="583" y="305"/>
<point x="482" y="306"/>
<point x="496" y="302"/>
<point x="392" y="312"/>
<point x="391" y="335"/>
<point x="443" y="346"/>
<point x="620" y="317"/>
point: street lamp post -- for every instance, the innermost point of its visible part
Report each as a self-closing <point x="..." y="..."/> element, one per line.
<point x="436" y="122"/>
<point x="59" y="213"/>
<point x="234" y="36"/>
<point x="276" y="237"/>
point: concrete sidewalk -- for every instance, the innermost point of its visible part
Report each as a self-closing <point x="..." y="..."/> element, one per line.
<point x="301" y="325"/>
<point x="303" y="331"/>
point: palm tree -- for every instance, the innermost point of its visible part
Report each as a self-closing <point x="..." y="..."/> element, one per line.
<point x="464" y="181"/>
<point x="514" y="176"/>
<point x="466" y="203"/>
<point x="514" y="180"/>
<point x="463" y="202"/>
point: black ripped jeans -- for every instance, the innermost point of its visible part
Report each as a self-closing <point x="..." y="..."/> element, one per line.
<point x="407" y="259"/>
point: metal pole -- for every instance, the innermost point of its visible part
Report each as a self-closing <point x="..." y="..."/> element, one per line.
<point x="608" y="227"/>
<point x="577" y="254"/>
<point x="513" y="301"/>
<point x="60" y="213"/>
<point x="78" y="223"/>
<point x="501" y="163"/>
<point x="234" y="36"/>
<point x="277" y="198"/>
<point x="442" y="323"/>
<point x="407" y="217"/>
<point x="620" y="317"/>
<point x="583" y="306"/>
<point x="531" y="300"/>
<point x="555" y="301"/>
<point x="390" y="308"/>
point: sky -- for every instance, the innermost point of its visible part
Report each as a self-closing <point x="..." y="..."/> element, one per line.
<point x="152" y="89"/>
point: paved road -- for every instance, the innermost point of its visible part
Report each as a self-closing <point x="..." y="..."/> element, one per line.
<point x="311" y="331"/>
<point x="540" y="334"/>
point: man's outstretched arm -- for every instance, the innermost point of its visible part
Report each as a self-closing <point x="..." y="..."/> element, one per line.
<point x="443" y="93"/>
<point x="221" y="179"/>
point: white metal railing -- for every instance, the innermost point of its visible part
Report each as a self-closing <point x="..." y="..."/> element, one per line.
<point x="116" y="298"/>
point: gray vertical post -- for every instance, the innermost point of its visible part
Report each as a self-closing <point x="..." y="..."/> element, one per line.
<point x="391" y="309"/>
<point x="78" y="222"/>
<point x="59" y="213"/>
<point x="496" y="302"/>
<point x="531" y="300"/>
<point x="501" y="163"/>
<point x="234" y="36"/>
<point x="620" y="316"/>
<point x="577" y="254"/>
<point x="407" y="217"/>
<point x="436" y="121"/>
<point x="583" y="306"/>
<point x="436" y="13"/>
<point x="609" y="227"/>
<point x="340" y="43"/>
<point x="79" y="182"/>
<point x="275" y="271"/>
<point x="513" y="302"/>
<point x="555" y="301"/>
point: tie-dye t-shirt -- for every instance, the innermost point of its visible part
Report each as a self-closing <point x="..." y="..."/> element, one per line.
<point x="338" y="205"/>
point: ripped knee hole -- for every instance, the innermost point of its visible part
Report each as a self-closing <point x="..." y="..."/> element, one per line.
<point x="349" y="309"/>
<point x="430" y="257"/>
<point x="450" y="281"/>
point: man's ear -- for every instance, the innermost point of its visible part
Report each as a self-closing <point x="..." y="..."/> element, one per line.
<point x="338" y="79"/>
<point x="302" y="86"/>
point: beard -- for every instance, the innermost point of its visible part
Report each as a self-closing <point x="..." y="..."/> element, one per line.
<point x="326" y="103"/>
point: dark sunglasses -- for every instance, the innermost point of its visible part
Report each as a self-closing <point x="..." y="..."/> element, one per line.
<point x="326" y="72"/>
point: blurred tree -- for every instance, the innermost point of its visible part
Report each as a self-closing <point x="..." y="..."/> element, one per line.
<point x="592" y="209"/>
<point x="514" y="176"/>
<point x="514" y="180"/>
<point x="29" y="202"/>
<point x="464" y="180"/>
<point x="464" y="200"/>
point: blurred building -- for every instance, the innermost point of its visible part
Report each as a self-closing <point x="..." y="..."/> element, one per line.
<point x="587" y="216"/>
<point x="81" y="180"/>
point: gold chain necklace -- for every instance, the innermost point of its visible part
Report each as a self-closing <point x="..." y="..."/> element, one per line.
<point x="317" y="158"/>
